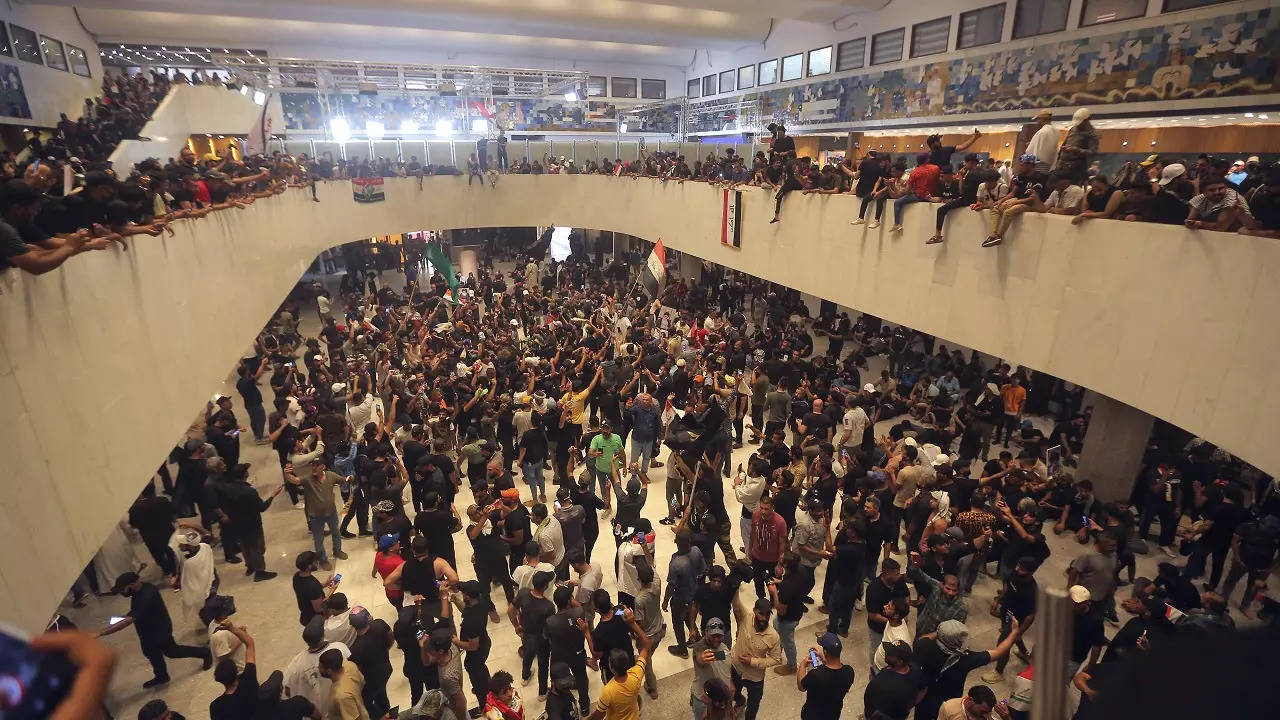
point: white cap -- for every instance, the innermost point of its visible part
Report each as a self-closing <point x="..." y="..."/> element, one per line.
<point x="1080" y="116"/>
<point x="869" y="388"/>
<point x="1171" y="172"/>
<point x="338" y="387"/>
<point x="909" y="441"/>
<point x="942" y="459"/>
<point x="1079" y="594"/>
<point x="680" y="362"/>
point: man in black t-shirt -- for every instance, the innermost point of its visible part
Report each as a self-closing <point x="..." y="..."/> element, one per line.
<point x="880" y="592"/>
<point x="826" y="685"/>
<point x="897" y="688"/>
<point x="150" y="618"/>
<point x="968" y="192"/>
<point x="945" y="662"/>
<point x="240" y="697"/>
<point x="370" y="651"/>
<point x="940" y="154"/>
<point x="529" y="614"/>
<point x="565" y="633"/>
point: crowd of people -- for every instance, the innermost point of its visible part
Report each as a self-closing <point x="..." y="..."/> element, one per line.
<point x="41" y="225"/>
<point x="537" y="416"/>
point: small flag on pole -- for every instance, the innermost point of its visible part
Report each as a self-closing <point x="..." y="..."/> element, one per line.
<point x="654" y="275"/>
<point x="442" y="264"/>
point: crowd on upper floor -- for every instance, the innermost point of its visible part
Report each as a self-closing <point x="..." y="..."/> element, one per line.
<point x="41" y="225"/>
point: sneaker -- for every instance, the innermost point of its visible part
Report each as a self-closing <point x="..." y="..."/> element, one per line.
<point x="233" y="559"/>
<point x="365" y="533"/>
<point x="666" y="521"/>
<point x="678" y="650"/>
<point x="653" y="695"/>
<point x="992" y="677"/>
<point x="248" y="571"/>
<point x="873" y="224"/>
<point x="542" y="695"/>
<point x="348" y="535"/>
<point x="264" y="575"/>
<point x="153" y="682"/>
<point x="339" y="554"/>
<point x="655" y="464"/>
<point x="784" y="670"/>
<point x="474" y="713"/>
<point x="298" y="505"/>
<point x="933" y="240"/>
<point x="895" y="229"/>
<point x="1024" y="657"/>
<point x="525" y="680"/>
<point x="859" y="221"/>
<point x="208" y="659"/>
<point x="992" y="241"/>
<point x="859" y="606"/>
<point x="1168" y="551"/>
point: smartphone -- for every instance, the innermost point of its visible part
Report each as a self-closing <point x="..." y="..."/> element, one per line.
<point x="234" y="433"/>
<point x="814" y="659"/>
<point x="1008" y="616"/>
<point x="1084" y="521"/>
<point x="640" y="538"/>
<point x="114" y="619"/>
<point x="556" y="504"/>
<point x="394" y="712"/>
<point x="720" y="655"/>
<point x="336" y="579"/>
<point x="420" y="634"/>
<point x="31" y="684"/>
<point x="619" y="612"/>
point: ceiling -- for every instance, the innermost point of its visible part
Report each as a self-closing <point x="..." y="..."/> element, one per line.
<point x="650" y="31"/>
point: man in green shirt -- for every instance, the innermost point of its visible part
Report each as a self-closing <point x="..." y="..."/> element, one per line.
<point x="604" y="448"/>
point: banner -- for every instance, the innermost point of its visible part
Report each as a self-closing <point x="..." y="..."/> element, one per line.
<point x="367" y="190"/>
<point x="730" y="215"/>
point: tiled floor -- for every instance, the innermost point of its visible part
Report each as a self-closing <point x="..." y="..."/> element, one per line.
<point x="270" y="613"/>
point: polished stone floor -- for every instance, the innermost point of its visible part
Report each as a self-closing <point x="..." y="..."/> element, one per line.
<point x="269" y="611"/>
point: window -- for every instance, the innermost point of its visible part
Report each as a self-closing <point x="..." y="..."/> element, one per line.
<point x="746" y="77"/>
<point x="653" y="89"/>
<point x="931" y="37"/>
<point x="1175" y="5"/>
<point x="709" y="85"/>
<point x="597" y="86"/>
<point x="768" y="73"/>
<point x="5" y="49"/>
<point x="820" y="61"/>
<point x="1038" y="17"/>
<point x="726" y="81"/>
<point x="622" y="87"/>
<point x="886" y="47"/>
<point x="694" y="89"/>
<point x="851" y="54"/>
<point x="792" y="67"/>
<point x="25" y="45"/>
<point x="1096" y="12"/>
<point x="53" y="54"/>
<point x="983" y="26"/>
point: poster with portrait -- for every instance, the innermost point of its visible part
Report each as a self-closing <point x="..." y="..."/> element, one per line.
<point x="13" y="97"/>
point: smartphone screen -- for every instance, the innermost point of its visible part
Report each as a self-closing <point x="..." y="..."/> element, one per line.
<point x="720" y="655"/>
<point x="640" y="537"/>
<point x="619" y="612"/>
<point x="814" y="659"/>
<point x="114" y="619"/>
<point x="337" y="578"/>
<point x="31" y="684"/>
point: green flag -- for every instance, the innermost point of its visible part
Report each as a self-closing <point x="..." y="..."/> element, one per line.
<point x="440" y="261"/>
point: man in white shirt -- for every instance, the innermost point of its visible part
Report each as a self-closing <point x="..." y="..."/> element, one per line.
<point x="360" y="411"/>
<point x="337" y="620"/>
<point x="628" y="581"/>
<point x="302" y="674"/>
<point x="590" y="578"/>
<point x="549" y="535"/>
<point x="748" y="490"/>
<point x="323" y="307"/>
<point x="222" y="642"/>
<point x="1064" y="199"/>
<point x="1044" y="144"/>
<point x="853" y="424"/>
<point x="896" y="629"/>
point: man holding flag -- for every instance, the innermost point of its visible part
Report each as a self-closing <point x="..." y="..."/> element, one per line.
<point x="436" y="256"/>
<point x="654" y="274"/>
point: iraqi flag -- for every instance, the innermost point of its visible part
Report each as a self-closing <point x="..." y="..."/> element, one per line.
<point x="654" y="275"/>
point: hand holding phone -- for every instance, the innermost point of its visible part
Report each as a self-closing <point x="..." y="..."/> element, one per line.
<point x="813" y="658"/>
<point x="66" y="673"/>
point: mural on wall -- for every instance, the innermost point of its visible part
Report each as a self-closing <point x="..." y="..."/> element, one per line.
<point x="13" y="97"/>
<point x="1230" y="55"/>
<point x="310" y="111"/>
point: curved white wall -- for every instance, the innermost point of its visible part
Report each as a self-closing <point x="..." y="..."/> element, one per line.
<point x="103" y="362"/>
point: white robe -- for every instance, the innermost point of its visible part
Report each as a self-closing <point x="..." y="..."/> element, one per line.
<point x="116" y="557"/>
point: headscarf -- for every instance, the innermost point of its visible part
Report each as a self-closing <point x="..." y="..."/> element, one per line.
<point x="953" y="636"/>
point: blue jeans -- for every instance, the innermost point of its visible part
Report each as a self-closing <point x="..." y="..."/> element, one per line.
<point x="873" y="641"/>
<point x="604" y="479"/>
<point x="317" y="525"/>
<point x="787" y="635"/>
<point x="902" y="202"/>
<point x="642" y="451"/>
<point x="532" y="472"/>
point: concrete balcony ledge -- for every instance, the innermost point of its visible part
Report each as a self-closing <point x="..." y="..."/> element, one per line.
<point x="103" y="362"/>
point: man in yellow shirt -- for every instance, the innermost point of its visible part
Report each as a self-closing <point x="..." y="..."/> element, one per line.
<point x="347" y="685"/>
<point x="620" y="698"/>
<point x="1014" y="397"/>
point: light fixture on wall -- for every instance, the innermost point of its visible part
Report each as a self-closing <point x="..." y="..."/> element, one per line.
<point x="1124" y="143"/>
<point x="571" y="96"/>
<point x="259" y="98"/>
<point x="622" y="127"/>
<point x="444" y="127"/>
<point x="244" y="89"/>
<point x="375" y="129"/>
<point x="339" y="129"/>
<point x="1153" y="143"/>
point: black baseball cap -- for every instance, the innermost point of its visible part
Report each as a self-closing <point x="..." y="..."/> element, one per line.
<point x="125" y="580"/>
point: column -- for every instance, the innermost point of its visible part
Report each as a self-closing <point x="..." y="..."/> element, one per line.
<point x="1113" y="448"/>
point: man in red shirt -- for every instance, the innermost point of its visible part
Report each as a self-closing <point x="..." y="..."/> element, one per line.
<point x="768" y="542"/>
<point x="923" y="183"/>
